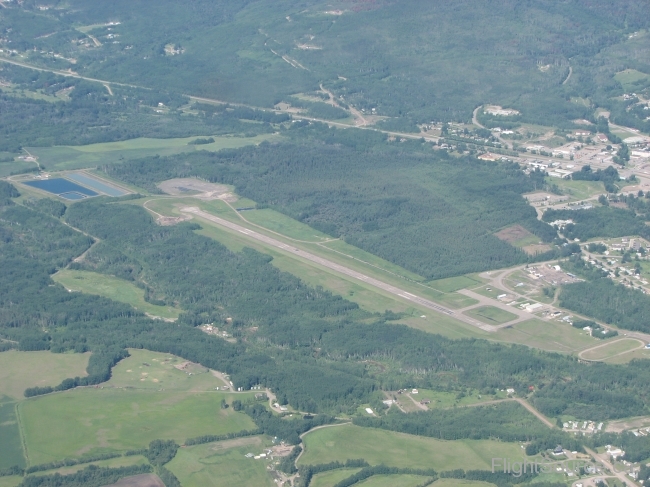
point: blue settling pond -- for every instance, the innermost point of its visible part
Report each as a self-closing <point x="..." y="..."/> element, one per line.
<point x="95" y="184"/>
<point x="60" y="186"/>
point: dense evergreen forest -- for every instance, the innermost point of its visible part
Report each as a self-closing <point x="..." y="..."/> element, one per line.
<point x="433" y="61"/>
<point x="303" y="342"/>
<point x="425" y="211"/>
<point x="89" y="114"/>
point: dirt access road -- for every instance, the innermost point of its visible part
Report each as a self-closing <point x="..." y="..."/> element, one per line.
<point x="337" y="267"/>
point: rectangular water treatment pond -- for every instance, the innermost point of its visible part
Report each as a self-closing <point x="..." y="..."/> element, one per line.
<point x="59" y="186"/>
<point x="96" y="184"/>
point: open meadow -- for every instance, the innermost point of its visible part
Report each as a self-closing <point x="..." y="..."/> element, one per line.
<point x="402" y="450"/>
<point x="327" y="479"/>
<point x="21" y="370"/>
<point x="615" y="348"/>
<point x="222" y="464"/>
<point x="491" y="315"/>
<point x="11" y="448"/>
<point x="85" y="156"/>
<point x="94" y="420"/>
<point x="113" y="288"/>
<point x="393" y="481"/>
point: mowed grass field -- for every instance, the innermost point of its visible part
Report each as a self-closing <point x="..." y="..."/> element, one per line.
<point x="151" y="371"/>
<point x="12" y="481"/>
<point x="222" y="464"/>
<point x="393" y="481"/>
<point x="112" y="288"/>
<point x="21" y="370"/>
<point x="401" y="450"/>
<point x="93" y="420"/>
<point x="333" y="477"/>
<point x="11" y="449"/>
<point x="613" y="348"/>
<point x="85" y="156"/>
<point x="546" y="335"/>
<point x="491" y="315"/>
<point x="444" y="400"/>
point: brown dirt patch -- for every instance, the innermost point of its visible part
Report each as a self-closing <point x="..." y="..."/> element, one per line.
<point x="536" y="249"/>
<point x="195" y="187"/>
<point x="513" y="234"/>
<point x="167" y="221"/>
<point x="144" y="480"/>
<point x="247" y="441"/>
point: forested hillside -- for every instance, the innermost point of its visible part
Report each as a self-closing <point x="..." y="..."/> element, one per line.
<point x="409" y="59"/>
<point x="426" y="211"/>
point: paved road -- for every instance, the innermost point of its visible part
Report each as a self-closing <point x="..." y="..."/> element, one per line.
<point x="338" y="268"/>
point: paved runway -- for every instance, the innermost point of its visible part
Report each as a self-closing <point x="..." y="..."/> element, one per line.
<point x="338" y="268"/>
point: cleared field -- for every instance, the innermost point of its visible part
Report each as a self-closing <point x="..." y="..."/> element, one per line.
<point x="628" y="76"/>
<point x="21" y="370"/>
<point x="642" y="353"/>
<point x="443" y="400"/>
<point x="578" y="190"/>
<point x="327" y="479"/>
<point x="12" y="481"/>
<point x="278" y="222"/>
<point x="615" y="347"/>
<point x="401" y="450"/>
<point x="547" y="335"/>
<point x="451" y="284"/>
<point x="460" y="483"/>
<point x="491" y="315"/>
<point x="11" y="449"/>
<point x="112" y="463"/>
<point x="9" y="168"/>
<point x="85" y="156"/>
<point x="84" y="421"/>
<point x="145" y="370"/>
<point x="393" y="481"/>
<point x="211" y="466"/>
<point x="112" y="288"/>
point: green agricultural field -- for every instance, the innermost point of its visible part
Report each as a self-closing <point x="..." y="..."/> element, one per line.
<point x="333" y="477"/>
<point x="613" y="348"/>
<point x="111" y="463"/>
<point x="401" y="450"/>
<point x="112" y="288"/>
<point x="546" y="335"/>
<point x="12" y="481"/>
<point x="222" y="464"/>
<point x="11" y="449"/>
<point x="145" y="370"/>
<point x="84" y="156"/>
<point x="460" y="483"/>
<point x="13" y="167"/>
<point x="443" y="400"/>
<point x="393" y="481"/>
<point x="94" y="420"/>
<point x="627" y="77"/>
<point x="21" y="370"/>
<point x="491" y="315"/>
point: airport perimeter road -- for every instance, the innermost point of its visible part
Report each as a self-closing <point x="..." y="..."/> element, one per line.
<point x="337" y="267"/>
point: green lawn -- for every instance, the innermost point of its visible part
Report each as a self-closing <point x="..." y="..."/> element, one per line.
<point x="151" y="371"/>
<point x="615" y="347"/>
<point x="460" y="483"/>
<point x="451" y="284"/>
<point x="393" y="481"/>
<point x="11" y="449"/>
<point x="278" y="222"/>
<point x="112" y="288"/>
<point x="85" y="421"/>
<point x="85" y="156"/>
<point x="642" y="353"/>
<point x="20" y="370"/>
<point x="327" y="479"/>
<point x="212" y="465"/>
<point x="111" y="463"/>
<point x="401" y="450"/>
<point x="491" y="315"/>
<point x="8" y="168"/>
<point x="546" y="335"/>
